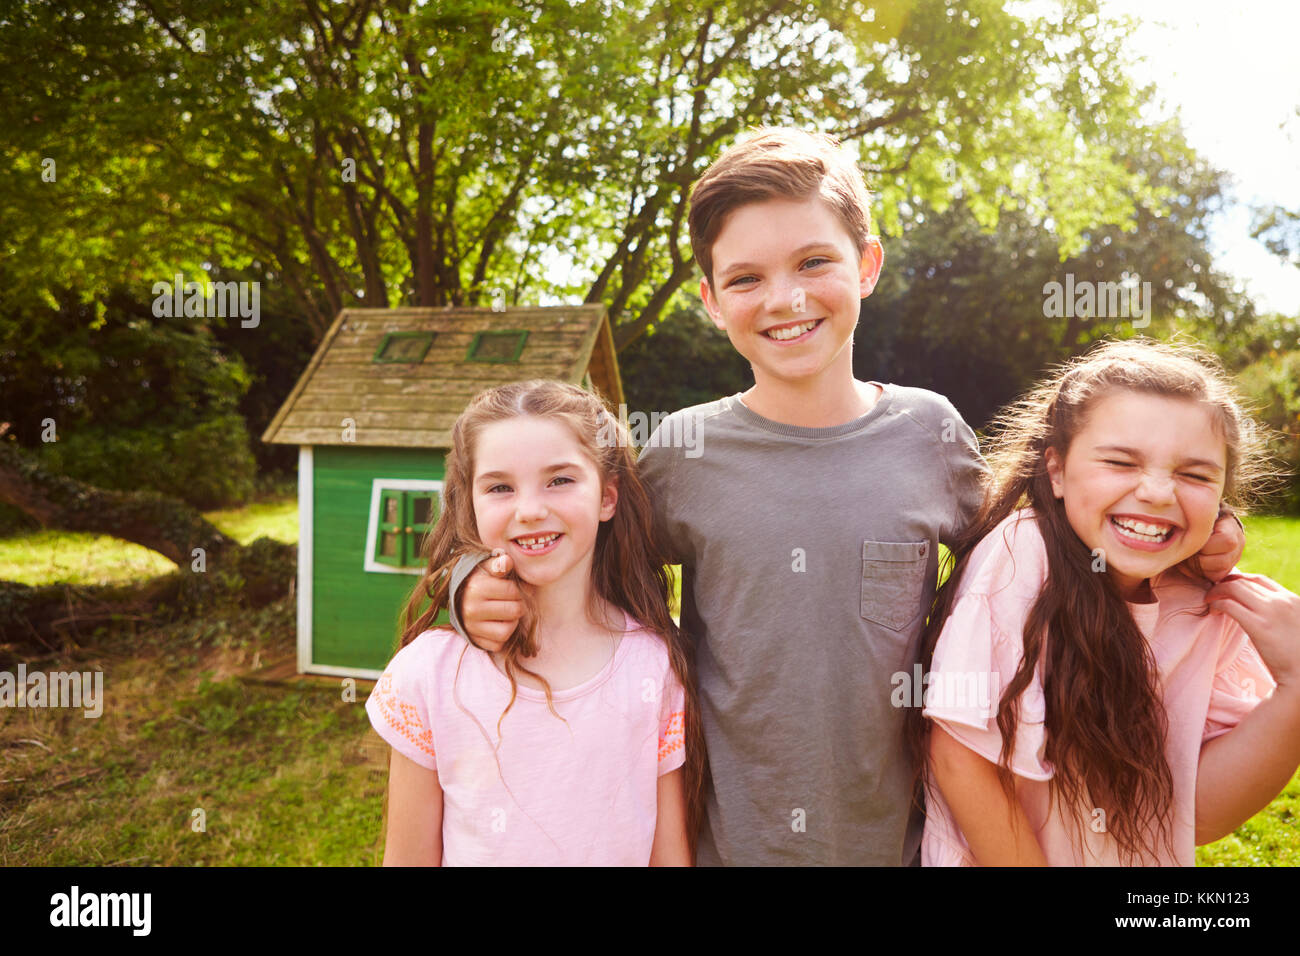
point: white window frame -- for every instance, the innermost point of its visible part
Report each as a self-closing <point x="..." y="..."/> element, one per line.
<point x="377" y="486"/>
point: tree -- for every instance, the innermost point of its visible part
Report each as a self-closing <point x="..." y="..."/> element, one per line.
<point x="1279" y="228"/>
<point x="964" y="311"/>
<point x="429" y="154"/>
<point x="98" y="388"/>
<point x="259" y="573"/>
<point x="683" y="361"/>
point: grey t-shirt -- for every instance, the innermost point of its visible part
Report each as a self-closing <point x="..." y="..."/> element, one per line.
<point x="809" y="557"/>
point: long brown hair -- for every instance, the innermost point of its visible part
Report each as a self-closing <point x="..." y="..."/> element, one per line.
<point x="1106" y="723"/>
<point x="629" y="568"/>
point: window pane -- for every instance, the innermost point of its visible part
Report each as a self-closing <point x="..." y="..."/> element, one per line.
<point x="422" y="510"/>
<point x="390" y="511"/>
<point x="388" y="546"/>
<point x="498" y="346"/>
<point x="405" y="348"/>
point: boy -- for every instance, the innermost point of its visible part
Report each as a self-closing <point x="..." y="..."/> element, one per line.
<point x="806" y="521"/>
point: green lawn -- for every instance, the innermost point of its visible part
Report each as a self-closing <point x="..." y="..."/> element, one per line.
<point x="52" y="557"/>
<point x="1273" y="548"/>
<point x="1270" y="838"/>
<point x="287" y="774"/>
<point x="189" y="765"/>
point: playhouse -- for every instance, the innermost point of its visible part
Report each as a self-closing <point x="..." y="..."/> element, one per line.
<point x="372" y="417"/>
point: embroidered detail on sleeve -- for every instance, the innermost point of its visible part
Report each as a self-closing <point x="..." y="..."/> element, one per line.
<point x="674" y="736"/>
<point x="401" y="716"/>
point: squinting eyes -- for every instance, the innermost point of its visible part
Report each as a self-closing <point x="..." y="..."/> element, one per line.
<point x="1205" y="479"/>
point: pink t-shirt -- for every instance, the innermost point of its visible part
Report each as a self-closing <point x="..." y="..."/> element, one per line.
<point x="581" y="791"/>
<point x="1210" y="673"/>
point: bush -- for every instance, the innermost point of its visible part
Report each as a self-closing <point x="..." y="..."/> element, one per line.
<point x="683" y="360"/>
<point x="209" y="464"/>
<point x="136" y="402"/>
<point x="14" y="522"/>
<point x="1272" y="385"/>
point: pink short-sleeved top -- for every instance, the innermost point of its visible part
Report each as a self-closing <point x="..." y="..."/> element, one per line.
<point x="546" y="792"/>
<point x="1210" y="673"/>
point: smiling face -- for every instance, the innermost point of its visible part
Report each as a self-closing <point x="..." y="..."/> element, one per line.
<point x="788" y="284"/>
<point x="538" y="496"/>
<point x="1142" y="482"/>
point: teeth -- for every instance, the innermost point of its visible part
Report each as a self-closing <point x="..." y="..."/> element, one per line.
<point x="791" y="332"/>
<point x="535" y="542"/>
<point x="1141" y="529"/>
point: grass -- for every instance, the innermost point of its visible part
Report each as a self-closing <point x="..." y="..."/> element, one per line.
<point x="287" y="774"/>
<point x="1270" y="838"/>
<point x="190" y="765"/>
<point x="1273" y="548"/>
<point x="52" y="557"/>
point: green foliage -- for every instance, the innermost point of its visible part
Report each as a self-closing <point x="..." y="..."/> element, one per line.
<point x="1279" y="229"/>
<point x="208" y="464"/>
<point x="684" y="361"/>
<point x="13" y="521"/>
<point x="1263" y="352"/>
<point x="136" y="403"/>
<point x="434" y="154"/>
<point x="1272" y="384"/>
<point x="428" y="154"/>
<point x="961" y="310"/>
<point x="116" y="366"/>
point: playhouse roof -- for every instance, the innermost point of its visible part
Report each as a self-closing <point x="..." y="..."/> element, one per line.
<point x="403" y="387"/>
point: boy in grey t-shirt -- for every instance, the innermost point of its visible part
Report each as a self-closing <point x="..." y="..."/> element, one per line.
<point x="808" y="556"/>
<point x="806" y="514"/>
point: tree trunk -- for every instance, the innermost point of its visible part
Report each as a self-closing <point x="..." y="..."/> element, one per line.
<point x="162" y="524"/>
<point x="44" y="617"/>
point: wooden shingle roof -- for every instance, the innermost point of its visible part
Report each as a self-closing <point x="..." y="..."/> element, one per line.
<point x="414" y="404"/>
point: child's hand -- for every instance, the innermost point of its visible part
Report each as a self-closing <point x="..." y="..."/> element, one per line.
<point x="1224" y="549"/>
<point x="1269" y="614"/>
<point x="490" y="603"/>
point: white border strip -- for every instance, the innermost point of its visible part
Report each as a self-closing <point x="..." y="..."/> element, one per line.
<point x="372" y="527"/>
<point x="305" y="483"/>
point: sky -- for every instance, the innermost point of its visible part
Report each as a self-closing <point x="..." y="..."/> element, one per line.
<point x="1232" y="73"/>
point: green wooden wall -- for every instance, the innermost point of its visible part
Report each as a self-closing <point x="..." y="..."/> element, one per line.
<point x="355" y="612"/>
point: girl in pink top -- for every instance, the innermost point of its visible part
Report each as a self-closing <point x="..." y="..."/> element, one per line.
<point x="1087" y="702"/>
<point x="576" y="744"/>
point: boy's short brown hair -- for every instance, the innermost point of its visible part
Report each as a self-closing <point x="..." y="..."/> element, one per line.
<point x="777" y="163"/>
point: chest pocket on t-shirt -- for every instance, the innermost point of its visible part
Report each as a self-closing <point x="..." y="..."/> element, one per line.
<point x="893" y="581"/>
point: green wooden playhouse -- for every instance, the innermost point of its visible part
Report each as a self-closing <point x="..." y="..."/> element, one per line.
<point x="372" y="418"/>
